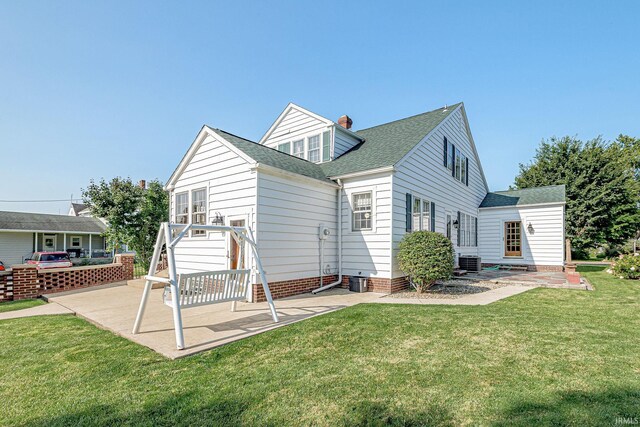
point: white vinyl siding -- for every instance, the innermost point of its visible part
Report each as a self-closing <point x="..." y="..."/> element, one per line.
<point x="14" y="246"/>
<point x="343" y="142"/>
<point x="545" y="246"/>
<point x="296" y="125"/>
<point x="367" y="253"/>
<point x="231" y="192"/>
<point x="423" y="174"/>
<point x="289" y="215"/>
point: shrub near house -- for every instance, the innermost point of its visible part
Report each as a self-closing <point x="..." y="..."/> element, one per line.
<point x="426" y="257"/>
<point x="627" y="267"/>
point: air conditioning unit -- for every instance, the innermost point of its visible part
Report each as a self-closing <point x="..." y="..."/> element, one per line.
<point x="470" y="263"/>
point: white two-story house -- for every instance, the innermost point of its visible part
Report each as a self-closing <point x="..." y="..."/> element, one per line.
<point x="366" y="188"/>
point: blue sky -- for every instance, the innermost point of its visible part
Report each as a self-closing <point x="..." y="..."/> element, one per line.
<point x="103" y="89"/>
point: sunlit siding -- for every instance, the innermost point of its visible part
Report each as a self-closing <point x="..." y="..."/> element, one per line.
<point x="231" y="192"/>
<point x="289" y="213"/>
<point x="296" y="125"/>
<point x="424" y="175"/>
<point x="367" y="253"/>
<point x="543" y="246"/>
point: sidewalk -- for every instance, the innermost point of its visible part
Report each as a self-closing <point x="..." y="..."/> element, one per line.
<point x="482" y="298"/>
<point x="41" y="310"/>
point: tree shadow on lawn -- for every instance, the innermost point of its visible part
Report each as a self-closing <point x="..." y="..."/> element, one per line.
<point x="192" y="409"/>
<point x="576" y="408"/>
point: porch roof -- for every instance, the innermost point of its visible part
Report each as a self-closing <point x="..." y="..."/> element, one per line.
<point x="526" y="196"/>
<point x="26" y="221"/>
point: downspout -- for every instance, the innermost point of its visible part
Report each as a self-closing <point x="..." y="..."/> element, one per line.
<point x="339" y="281"/>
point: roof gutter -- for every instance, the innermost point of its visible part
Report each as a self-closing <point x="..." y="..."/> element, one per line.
<point x="530" y="205"/>
<point x="364" y="173"/>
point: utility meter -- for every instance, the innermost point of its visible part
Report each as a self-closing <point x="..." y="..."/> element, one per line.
<point x="324" y="232"/>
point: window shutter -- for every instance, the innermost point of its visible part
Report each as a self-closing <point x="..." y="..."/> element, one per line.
<point x="285" y="148"/>
<point x="433" y="216"/>
<point x="476" y="230"/>
<point x="459" y="227"/>
<point x="466" y="166"/>
<point x="446" y="151"/>
<point x="326" y="146"/>
<point x="453" y="156"/>
<point x="408" y="212"/>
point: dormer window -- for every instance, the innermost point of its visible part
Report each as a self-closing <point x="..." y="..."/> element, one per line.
<point x="298" y="148"/>
<point x="314" y="149"/>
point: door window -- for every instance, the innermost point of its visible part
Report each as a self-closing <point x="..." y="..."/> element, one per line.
<point x="512" y="238"/>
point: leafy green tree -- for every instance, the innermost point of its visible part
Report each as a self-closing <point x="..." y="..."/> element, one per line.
<point x="601" y="187"/>
<point x="133" y="214"/>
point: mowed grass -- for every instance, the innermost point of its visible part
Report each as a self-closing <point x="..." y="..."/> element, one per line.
<point x="543" y="357"/>
<point x="19" y="305"/>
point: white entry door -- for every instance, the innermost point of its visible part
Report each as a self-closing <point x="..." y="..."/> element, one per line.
<point x="49" y="242"/>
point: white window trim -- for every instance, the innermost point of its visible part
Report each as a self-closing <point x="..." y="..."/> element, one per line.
<point x="206" y="210"/>
<point x="319" y="149"/>
<point x="71" y="241"/>
<point x="422" y="200"/>
<point x="503" y="238"/>
<point x="189" y="189"/>
<point x="175" y="205"/>
<point x="303" y="147"/>
<point x="358" y="190"/>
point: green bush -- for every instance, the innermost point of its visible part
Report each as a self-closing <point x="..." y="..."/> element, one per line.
<point x="626" y="267"/>
<point x="425" y="257"/>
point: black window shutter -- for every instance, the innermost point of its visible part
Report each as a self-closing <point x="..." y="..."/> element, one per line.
<point x="476" y="229"/>
<point x="446" y="151"/>
<point x="458" y="228"/>
<point x="433" y="216"/>
<point x="408" y="212"/>
<point x="466" y="166"/>
<point x="453" y="156"/>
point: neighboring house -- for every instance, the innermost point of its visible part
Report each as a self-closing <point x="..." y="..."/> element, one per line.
<point x="369" y="188"/>
<point x="79" y="209"/>
<point x="23" y="233"/>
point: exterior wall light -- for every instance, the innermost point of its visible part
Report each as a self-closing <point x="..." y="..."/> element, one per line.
<point x="530" y="228"/>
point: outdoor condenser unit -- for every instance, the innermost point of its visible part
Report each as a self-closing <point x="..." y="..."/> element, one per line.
<point x="470" y="262"/>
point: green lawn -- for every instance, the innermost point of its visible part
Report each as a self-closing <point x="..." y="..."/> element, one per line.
<point x="19" y="305"/>
<point x="546" y="356"/>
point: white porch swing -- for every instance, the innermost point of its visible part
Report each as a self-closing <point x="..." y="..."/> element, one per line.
<point x="201" y="288"/>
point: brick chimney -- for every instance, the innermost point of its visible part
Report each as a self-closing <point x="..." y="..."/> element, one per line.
<point x="142" y="184"/>
<point x="345" y="121"/>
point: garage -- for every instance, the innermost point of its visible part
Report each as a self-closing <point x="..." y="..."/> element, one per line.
<point x="14" y="246"/>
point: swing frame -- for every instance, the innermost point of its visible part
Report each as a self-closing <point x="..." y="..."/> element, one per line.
<point x="165" y="233"/>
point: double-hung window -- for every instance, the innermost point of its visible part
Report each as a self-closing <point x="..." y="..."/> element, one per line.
<point x="456" y="162"/>
<point x="182" y="208"/>
<point x="298" y="148"/>
<point x="420" y="214"/>
<point x="314" y="148"/>
<point x="199" y="210"/>
<point x="468" y="232"/>
<point x="362" y="211"/>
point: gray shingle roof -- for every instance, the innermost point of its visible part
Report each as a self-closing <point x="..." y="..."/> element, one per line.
<point x="26" y="221"/>
<point x="525" y="196"/>
<point x="78" y="207"/>
<point x="272" y="157"/>
<point x="387" y="144"/>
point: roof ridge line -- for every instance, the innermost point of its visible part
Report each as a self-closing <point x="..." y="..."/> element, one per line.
<point x="410" y="117"/>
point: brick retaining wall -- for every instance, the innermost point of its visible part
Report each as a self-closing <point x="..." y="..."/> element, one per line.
<point x="30" y="282"/>
<point x="6" y="285"/>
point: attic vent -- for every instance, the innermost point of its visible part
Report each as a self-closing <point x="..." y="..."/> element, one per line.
<point x="345" y="121"/>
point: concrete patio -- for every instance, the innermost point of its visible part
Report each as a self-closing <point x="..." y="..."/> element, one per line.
<point x="114" y="307"/>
